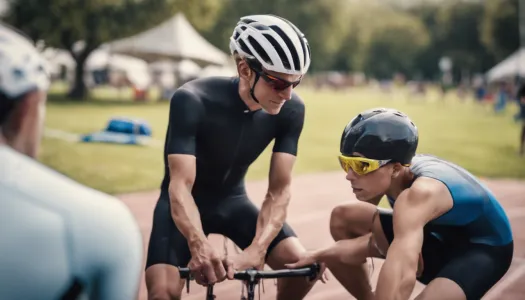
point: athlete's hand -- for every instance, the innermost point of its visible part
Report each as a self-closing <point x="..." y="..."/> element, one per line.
<point x="206" y="266"/>
<point x="309" y="258"/>
<point x="251" y="257"/>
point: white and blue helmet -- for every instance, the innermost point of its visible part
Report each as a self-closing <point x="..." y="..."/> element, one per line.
<point x="274" y="42"/>
<point x="22" y="68"/>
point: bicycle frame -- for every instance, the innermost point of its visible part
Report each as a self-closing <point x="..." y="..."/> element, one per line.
<point x="252" y="276"/>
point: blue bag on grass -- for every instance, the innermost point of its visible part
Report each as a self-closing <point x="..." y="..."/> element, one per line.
<point x="129" y="126"/>
<point x="121" y="131"/>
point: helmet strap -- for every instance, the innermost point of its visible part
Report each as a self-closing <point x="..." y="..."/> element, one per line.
<point x="252" y="89"/>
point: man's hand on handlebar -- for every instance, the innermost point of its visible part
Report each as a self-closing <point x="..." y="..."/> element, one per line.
<point x="309" y="258"/>
<point x="207" y="267"/>
<point x="251" y="257"/>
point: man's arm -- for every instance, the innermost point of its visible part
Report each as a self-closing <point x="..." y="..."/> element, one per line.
<point x="275" y="205"/>
<point x="183" y="208"/>
<point x="274" y="208"/>
<point x="186" y="112"/>
<point x="426" y="200"/>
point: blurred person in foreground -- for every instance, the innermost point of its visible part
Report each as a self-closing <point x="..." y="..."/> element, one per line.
<point x="445" y="229"/>
<point x="60" y="240"/>
<point x="521" y="117"/>
<point x="218" y="127"/>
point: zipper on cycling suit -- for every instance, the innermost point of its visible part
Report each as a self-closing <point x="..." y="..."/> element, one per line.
<point x="245" y="118"/>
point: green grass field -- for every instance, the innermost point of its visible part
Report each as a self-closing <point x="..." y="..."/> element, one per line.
<point x="463" y="132"/>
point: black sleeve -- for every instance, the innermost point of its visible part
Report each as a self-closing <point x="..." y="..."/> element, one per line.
<point x="186" y="113"/>
<point x="290" y="128"/>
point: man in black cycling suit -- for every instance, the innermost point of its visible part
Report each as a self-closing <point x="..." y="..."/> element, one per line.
<point x="217" y="129"/>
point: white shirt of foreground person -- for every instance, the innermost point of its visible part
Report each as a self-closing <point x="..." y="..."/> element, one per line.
<point x="60" y="238"/>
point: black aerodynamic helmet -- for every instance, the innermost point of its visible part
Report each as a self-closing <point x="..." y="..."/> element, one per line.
<point x="381" y="133"/>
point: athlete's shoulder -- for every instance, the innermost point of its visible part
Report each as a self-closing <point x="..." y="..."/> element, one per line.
<point x="199" y="94"/>
<point x="427" y="193"/>
<point x="210" y="86"/>
<point x="435" y="166"/>
<point x="425" y="187"/>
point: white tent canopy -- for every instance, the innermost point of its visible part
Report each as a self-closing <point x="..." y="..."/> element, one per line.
<point x="509" y="67"/>
<point x="174" y="39"/>
<point x="135" y="68"/>
<point x="185" y="67"/>
<point x="164" y="71"/>
<point x="98" y="59"/>
<point x="226" y="71"/>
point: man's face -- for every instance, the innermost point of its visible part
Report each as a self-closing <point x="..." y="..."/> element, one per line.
<point x="273" y="89"/>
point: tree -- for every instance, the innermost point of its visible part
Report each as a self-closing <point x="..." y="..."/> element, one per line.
<point x="387" y="45"/>
<point x="500" y="27"/>
<point x="427" y="61"/>
<point x="458" y="36"/>
<point x="64" y="23"/>
<point x="394" y="48"/>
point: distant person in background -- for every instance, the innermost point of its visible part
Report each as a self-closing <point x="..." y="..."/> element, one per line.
<point x="479" y="89"/>
<point x="521" y="117"/>
<point x="60" y="240"/>
<point x="501" y="97"/>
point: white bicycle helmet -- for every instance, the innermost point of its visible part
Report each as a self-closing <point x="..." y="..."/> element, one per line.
<point x="274" y="42"/>
<point x="22" y="67"/>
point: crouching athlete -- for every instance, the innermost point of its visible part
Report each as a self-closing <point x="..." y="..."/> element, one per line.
<point x="446" y="229"/>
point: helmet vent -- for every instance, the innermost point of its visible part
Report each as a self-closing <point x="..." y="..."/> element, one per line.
<point x="261" y="27"/>
<point x="260" y="50"/>
<point x="245" y="48"/>
<point x="279" y="50"/>
<point x="290" y="46"/>
<point x="399" y="114"/>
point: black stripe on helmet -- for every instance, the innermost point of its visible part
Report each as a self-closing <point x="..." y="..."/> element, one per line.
<point x="289" y="44"/>
<point x="279" y="49"/>
<point x="304" y="45"/>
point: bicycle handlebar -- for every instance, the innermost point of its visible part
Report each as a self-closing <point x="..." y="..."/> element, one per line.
<point x="252" y="274"/>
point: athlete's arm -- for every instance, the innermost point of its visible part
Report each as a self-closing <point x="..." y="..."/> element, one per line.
<point x="186" y="112"/>
<point x="183" y="208"/>
<point x="426" y="200"/>
<point x="275" y="205"/>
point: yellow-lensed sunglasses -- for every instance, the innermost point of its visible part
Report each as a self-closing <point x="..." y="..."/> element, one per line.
<point x="361" y="165"/>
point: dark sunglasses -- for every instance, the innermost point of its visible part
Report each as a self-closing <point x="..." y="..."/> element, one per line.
<point x="275" y="82"/>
